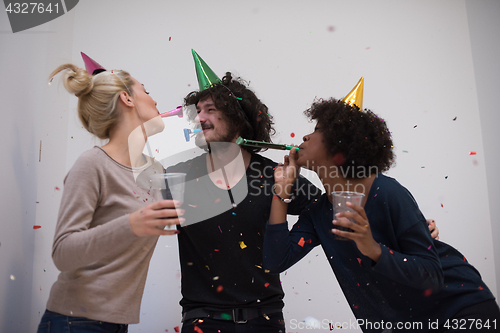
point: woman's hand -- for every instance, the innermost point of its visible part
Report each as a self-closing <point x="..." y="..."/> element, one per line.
<point x="362" y="234"/>
<point x="285" y="175"/>
<point x="433" y="228"/>
<point x="151" y="219"/>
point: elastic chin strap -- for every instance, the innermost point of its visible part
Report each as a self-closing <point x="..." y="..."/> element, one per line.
<point x="138" y="114"/>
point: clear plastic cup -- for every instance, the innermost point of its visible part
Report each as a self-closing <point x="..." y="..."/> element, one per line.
<point x="171" y="186"/>
<point x="339" y="199"/>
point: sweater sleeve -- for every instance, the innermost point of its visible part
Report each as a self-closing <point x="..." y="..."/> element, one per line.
<point x="284" y="248"/>
<point x="411" y="257"/>
<point x="76" y="242"/>
<point x="305" y="192"/>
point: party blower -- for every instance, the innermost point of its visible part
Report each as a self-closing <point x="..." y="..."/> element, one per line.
<point x="176" y="112"/>
<point x="260" y="144"/>
<point x="188" y="132"/>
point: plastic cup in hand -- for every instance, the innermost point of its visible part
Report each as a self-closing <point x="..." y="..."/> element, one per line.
<point x="171" y="186"/>
<point x="340" y="198"/>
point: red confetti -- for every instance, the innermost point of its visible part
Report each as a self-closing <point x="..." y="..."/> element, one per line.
<point x="57" y="188"/>
<point x="359" y="261"/>
<point x="197" y="329"/>
<point x="37" y="226"/>
<point x="356" y="306"/>
<point x="301" y="242"/>
<point x="480" y="288"/>
<point x="427" y="292"/>
<point x="266" y="285"/>
<point x="472" y="153"/>
<point x="220" y="288"/>
<point x="292" y="135"/>
<point x="464" y="258"/>
<point x="176" y="329"/>
<point x="169" y="39"/>
<point x="309" y="241"/>
<point x="442" y="205"/>
<point x="390" y="251"/>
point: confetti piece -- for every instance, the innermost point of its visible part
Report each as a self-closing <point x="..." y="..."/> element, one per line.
<point x="356" y="306"/>
<point x="217" y="200"/>
<point x="292" y="135"/>
<point x="37" y="227"/>
<point x="57" y="188"/>
<point x="423" y="167"/>
<point x="225" y="316"/>
<point x="405" y="151"/>
<point x="480" y="288"/>
<point x="331" y="28"/>
<point x="266" y="284"/>
<point x="197" y="329"/>
<point x="390" y="251"/>
<point x="472" y="153"/>
<point x="169" y="39"/>
<point x="176" y="329"/>
<point x="220" y="229"/>
<point x="301" y="242"/>
<point x="12" y="277"/>
<point x="219" y="182"/>
<point x="442" y="205"/>
<point x="220" y="288"/>
<point x="359" y="261"/>
<point x="446" y="177"/>
<point x="454" y="118"/>
<point x="430" y="246"/>
<point x="415" y="126"/>
<point x="427" y="292"/>
<point x="242" y="244"/>
<point x="309" y="241"/>
<point x="194" y="206"/>
<point x="234" y="213"/>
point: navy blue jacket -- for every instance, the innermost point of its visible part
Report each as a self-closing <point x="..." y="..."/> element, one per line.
<point x="416" y="279"/>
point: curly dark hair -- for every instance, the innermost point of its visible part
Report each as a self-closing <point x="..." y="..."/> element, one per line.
<point x="240" y="106"/>
<point x="360" y="135"/>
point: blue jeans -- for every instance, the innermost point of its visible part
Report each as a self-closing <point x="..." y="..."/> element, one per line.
<point x="53" y="322"/>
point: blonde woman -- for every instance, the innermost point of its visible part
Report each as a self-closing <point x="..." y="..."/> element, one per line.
<point x="109" y="220"/>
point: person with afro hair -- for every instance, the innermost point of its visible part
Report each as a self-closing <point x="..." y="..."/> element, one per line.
<point x="394" y="275"/>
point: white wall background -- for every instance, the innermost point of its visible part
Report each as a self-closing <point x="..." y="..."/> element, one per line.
<point x="425" y="63"/>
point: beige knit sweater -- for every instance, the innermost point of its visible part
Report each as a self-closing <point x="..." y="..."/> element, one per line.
<point x="103" y="263"/>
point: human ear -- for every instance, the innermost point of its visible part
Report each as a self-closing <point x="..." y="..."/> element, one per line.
<point x="126" y="99"/>
<point x="338" y="159"/>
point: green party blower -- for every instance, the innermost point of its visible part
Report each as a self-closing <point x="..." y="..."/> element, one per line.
<point x="260" y="144"/>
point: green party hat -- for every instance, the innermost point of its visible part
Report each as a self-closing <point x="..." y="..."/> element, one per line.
<point x="206" y="76"/>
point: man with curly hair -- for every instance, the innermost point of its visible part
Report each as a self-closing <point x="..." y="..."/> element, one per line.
<point x="393" y="274"/>
<point x="224" y="287"/>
